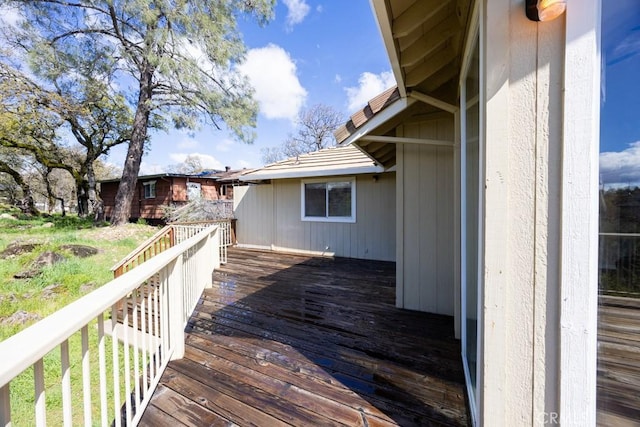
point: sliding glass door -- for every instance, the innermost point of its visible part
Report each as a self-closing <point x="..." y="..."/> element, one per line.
<point x="470" y="215"/>
<point x="619" y="248"/>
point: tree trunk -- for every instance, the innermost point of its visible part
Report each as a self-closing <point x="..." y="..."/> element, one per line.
<point x="92" y="194"/>
<point x="127" y="187"/>
<point x="27" y="205"/>
<point x="83" y="203"/>
<point x="62" y="207"/>
<point x="51" y="198"/>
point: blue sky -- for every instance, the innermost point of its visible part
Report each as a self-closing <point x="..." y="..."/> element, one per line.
<point x="313" y="52"/>
<point x="331" y="52"/>
<point x="620" y="106"/>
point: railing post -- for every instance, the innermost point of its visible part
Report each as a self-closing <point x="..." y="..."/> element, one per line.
<point x="5" y="405"/>
<point x="215" y="243"/>
<point x="176" y="309"/>
<point x="172" y="236"/>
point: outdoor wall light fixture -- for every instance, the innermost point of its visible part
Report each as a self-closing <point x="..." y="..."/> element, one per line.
<point x="545" y="10"/>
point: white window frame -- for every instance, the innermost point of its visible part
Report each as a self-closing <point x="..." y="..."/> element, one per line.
<point x="348" y="219"/>
<point x="151" y="185"/>
<point x="472" y="36"/>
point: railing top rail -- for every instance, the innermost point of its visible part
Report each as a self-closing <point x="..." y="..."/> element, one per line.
<point x="54" y="329"/>
<point x="619" y="234"/>
<point x="208" y="221"/>
<point x="141" y="247"/>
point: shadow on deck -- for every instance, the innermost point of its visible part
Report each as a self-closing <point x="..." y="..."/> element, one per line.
<point x="297" y="340"/>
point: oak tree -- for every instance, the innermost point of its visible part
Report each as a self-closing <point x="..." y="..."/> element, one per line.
<point x="35" y="115"/>
<point x="174" y="61"/>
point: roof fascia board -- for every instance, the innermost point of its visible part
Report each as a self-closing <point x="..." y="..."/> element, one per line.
<point x="383" y="18"/>
<point x="312" y="173"/>
<point x="382" y="117"/>
<point x="405" y="140"/>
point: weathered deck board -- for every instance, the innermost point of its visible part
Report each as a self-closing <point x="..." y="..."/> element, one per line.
<point x="284" y="339"/>
<point x="618" y="362"/>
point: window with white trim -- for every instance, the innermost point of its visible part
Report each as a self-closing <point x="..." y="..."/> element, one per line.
<point x="329" y="200"/>
<point x="149" y="189"/>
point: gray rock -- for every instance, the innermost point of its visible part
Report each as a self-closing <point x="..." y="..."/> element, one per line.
<point x="50" y="291"/>
<point x="81" y="251"/>
<point x="44" y="260"/>
<point x="18" y="248"/>
<point x="19" y="318"/>
<point x="8" y="297"/>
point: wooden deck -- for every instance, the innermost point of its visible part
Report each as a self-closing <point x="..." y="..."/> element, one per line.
<point x="296" y="340"/>
<point x="618" y="361"/>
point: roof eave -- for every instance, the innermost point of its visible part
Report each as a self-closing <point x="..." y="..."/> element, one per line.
<point x="383" y="18"/>
<point x="312" y="173"/>
<point x="379" y="119"/>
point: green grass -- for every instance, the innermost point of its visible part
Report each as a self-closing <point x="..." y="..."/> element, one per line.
<point x="22" y="388"/>
<point x="74" y="278"/>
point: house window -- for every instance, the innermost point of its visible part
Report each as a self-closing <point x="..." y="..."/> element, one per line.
<point x="329" y="200"/>
<point x="149" y="189"/>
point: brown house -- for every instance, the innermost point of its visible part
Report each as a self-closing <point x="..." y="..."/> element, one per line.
<point x="156" y="192"/>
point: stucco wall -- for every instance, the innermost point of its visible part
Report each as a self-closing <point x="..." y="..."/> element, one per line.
<point x="269" y="215"/>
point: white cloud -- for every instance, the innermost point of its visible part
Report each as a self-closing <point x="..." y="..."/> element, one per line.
<point x="297" y="11"/>
<point x="188" y="144"/>
<point x="621" y="168"/>
<point x="244" y="164"/>
<point x="206" y="161"/>
<point x="225" y="145"/>
<point x="338" y="78"/>
<point x="272" y="74"/>
<point x="629" y="46"/>
<point x="151" y="169"/>
<point x="192" y="50"/>
<point x="10" y="16"/>
<point x="369" y="85"/>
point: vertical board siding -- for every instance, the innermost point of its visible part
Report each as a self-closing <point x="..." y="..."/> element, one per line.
<point x="411" y="240"/>
<point x="270" y="215"/>
<point x="445" y="230"/>
<point x="254" y="211"/>
<point x="426" y="272"/>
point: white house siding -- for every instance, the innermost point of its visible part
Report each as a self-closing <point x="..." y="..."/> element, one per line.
<point x="269" y="216"/>
<point x="523" y="72"/>
<point x="253" y="209"/>
<point x="425" y="278"/>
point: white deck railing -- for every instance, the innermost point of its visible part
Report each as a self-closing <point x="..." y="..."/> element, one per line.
<point x="141" y="316"/>
<point x="185" y="230"/>
<point x="170" y="236"/>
